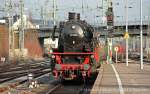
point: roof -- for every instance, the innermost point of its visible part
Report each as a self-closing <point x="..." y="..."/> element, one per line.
<point x="26" y="24"/>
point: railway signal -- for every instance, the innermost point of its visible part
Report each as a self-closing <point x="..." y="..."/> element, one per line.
<point x="126" y="36"/>
<point x="116" y="50"/>
<point x="32" y="82"/>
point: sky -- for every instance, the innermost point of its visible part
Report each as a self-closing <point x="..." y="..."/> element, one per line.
<point x="133" y="11"/>
<point x="90" y="12"/>
<point x="34" y="7"/>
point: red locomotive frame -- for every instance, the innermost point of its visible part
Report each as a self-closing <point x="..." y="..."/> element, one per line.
<point x="67" y="71"/>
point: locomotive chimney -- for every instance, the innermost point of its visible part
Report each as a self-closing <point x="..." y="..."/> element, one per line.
<point x="78" y="16"/>
<point x="74" y="16"/>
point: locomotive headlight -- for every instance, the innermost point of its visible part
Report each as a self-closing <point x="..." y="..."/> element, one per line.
<point x="50" y="51"/>
<point x="73" y="42"/>
<point x="73" y="27"/>
<point x="86" y="66"/>
<point x="92" y="56"/>
<point x="53" y="56"/>
<point x="58" y="67"/>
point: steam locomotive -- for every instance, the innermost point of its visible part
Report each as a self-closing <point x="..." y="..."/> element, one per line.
<point x="77" y="55"/>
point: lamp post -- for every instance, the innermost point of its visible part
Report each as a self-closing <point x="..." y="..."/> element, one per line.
<point x="21" y="32"/>
<point x="8" y="10"/>
<point x="126" y="32"/>
<point x="10" y="35"/>
<point x="54" y="12"/>
<point x="141" y="34"/>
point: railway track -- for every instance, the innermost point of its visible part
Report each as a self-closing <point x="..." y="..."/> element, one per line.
<point x="11" y="77"/>
<point x="72" y="87"/>
<point x="20" y="81"/>
<point x="11" y="72"/>
<point x="21" y="66"/>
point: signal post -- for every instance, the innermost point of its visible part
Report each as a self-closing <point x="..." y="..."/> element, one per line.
<point x="116" y="49"/>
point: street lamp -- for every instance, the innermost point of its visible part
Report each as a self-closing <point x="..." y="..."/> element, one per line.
<point x="21" y="33"/>
<point x="126" y="32"/>
<point x="141" y="34"/>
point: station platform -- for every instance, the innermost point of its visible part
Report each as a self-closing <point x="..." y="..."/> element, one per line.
<point x="121" y="79"/>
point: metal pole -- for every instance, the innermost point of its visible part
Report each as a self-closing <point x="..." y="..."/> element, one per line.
<point x="8" y="9"/>
<point x="83" y="9"/>
<point x="54" y="4"/>
<point x="141" y="34"/>
<point x="126" y="32"/>
<point x="21" y="32"/>
<point x="9" y="23"/>
<point x="116" y="56"/>
<point x="21" y="27"/>
<point x="13" y="40"/>
<point x="108" y="50"/>
<point x="42" y="15"/>
<point x="102" y="8"/>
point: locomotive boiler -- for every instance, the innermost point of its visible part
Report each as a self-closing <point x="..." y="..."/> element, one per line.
<point x="77" y="53"/>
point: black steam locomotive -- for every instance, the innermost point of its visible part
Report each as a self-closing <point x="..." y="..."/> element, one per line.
<point x="77" y="53"/>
